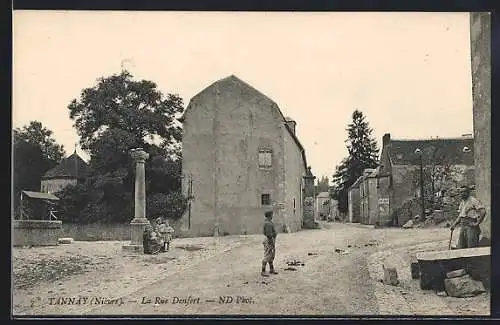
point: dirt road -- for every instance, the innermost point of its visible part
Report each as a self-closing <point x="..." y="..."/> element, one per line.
<point x="334" y="280"/>
<point x="328" y="283"/>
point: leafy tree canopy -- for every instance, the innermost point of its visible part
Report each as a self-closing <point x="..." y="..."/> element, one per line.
<point x="35" y="151"/>
<point x="322" y="185"/>
<point x="114" y="116"/>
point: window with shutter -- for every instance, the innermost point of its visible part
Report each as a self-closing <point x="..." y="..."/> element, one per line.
<point x="265" y="158"/>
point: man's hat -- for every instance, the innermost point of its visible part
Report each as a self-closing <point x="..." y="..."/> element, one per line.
<point x="159" y="219"/>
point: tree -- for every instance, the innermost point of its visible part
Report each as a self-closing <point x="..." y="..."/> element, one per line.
<point x="439" y="175"/>
<point x="35" y="151"/>
<point x="113" y="117"/>
<point x="363" y="153"/>
<point x="322" y="185"/>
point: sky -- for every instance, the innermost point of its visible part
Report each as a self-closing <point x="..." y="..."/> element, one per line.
<point x="409" y="73"/>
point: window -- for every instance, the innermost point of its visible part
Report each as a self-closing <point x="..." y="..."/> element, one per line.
<point x="265" y="158"/>
<point x="294" y="203"/>
<point x="265" y="199"/>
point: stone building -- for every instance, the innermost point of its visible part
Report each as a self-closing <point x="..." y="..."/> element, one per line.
<point x="70" y="170"/>
<point x="353" y="201"/>
<point x="480" y="38"/>
<point x="322" y="205"/>
<point x="243" y="158"/>
<point x="368" y="197"/>
<point x="399" y="170"/>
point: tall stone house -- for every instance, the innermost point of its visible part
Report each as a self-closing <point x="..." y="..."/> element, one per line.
<point x="480" y="45"/>
<point x="399" y="172"/>
<point x="242" y="158"/>
<point x="71" y="170"/>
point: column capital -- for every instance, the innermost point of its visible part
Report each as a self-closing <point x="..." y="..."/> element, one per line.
<point x="139" y="155"/>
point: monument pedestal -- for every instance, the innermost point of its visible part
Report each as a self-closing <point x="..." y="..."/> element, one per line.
<point x="137" y="227"/>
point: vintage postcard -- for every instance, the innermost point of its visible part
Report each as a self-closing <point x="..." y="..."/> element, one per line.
<point x="251" y="163"/>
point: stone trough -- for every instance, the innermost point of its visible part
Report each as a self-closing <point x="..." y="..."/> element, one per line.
<point x="433" y="266"/>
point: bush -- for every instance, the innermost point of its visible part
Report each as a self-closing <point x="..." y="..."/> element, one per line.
<point x="171" y="205"/>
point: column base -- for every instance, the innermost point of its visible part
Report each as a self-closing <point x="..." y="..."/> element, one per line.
<point x="137" y="226"/>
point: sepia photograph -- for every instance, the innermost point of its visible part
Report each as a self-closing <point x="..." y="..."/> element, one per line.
<point x="175" y="163"/>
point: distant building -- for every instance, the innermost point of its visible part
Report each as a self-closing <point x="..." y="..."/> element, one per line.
<point x="353" y="201"/>
<point x="243" y="158"/>
<point x="399" y="170"/>
<point x="71" y="170"/>
<point x="480" y="45"/>
<point x="368" y="197"/>
<point x="322" y="205"/>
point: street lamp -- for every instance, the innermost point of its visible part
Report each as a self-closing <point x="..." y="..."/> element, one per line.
<point x="419" y="153"/>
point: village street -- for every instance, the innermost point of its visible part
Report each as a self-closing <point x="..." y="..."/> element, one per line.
<point x="329" y="283"/>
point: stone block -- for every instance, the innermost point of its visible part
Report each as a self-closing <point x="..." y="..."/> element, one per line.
<point x="414" y="267"/>
<point x="408" y="224"/>
<point x="435" y="265"/>
<point x="65" y="240"/>
<point x="456" y="273"/>
<point x="463" y="286"/>
<point x="390" y="276"/>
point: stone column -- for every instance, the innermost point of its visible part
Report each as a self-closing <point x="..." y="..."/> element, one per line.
<point x="140" y="221"/>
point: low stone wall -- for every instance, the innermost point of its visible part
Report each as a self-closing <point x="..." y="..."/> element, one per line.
<point x="106" y="231"/>
<point x="35" y="232"/>
<point x="96" y="231"/>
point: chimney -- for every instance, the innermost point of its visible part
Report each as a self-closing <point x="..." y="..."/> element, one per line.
<point x="386" y="139"/>
<point x="291" y="124"/>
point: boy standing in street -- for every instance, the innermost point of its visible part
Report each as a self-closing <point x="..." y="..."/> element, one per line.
<point x="269" y="244"/>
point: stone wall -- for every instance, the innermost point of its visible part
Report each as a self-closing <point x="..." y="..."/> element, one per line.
<point x="406" y="186"/>
<point x="292" y="173"/>
<point x="384" y="217"/>
<point x="35" y="232"/>
<point x="372" y="200"/>
<point x="96" y="231"/>
<point x="481" y="94"/>
<point x="353" y="200"/>
<point x="369" y="201"/>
